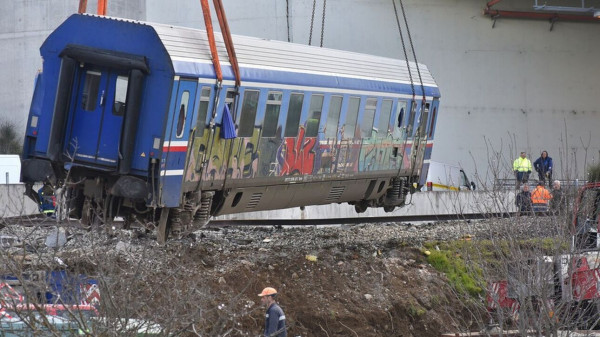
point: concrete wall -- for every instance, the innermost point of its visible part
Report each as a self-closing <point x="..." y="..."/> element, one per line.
<point x="424" y="203"/>
<point x="518" y="86"/>
<point x="14" y="202"/>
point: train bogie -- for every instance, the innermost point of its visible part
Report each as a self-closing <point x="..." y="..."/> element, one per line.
<point x="129" y="118"/>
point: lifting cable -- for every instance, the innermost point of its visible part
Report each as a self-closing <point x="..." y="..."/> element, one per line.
<point x="412" y="86"/>
<point x="411" y="46"/>
<point x="312" y="21"/>
<point x="287" y="17"/>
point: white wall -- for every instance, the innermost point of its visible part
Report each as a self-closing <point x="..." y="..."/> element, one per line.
<point x="518" y="86"/>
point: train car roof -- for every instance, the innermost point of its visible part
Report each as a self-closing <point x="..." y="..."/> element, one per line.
<point x="189" y="54"/>
<point x="192" y="45"/>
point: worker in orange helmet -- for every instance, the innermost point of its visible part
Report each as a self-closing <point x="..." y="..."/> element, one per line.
<point x="274" y="318"/>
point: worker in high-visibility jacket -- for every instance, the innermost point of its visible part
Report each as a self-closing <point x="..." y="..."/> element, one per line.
<point x="47" y="204"/>
<point x="522" y="167"/>
<point x="540" y="195"/>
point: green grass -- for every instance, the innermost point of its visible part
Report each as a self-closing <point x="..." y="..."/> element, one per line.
<point x="462" y="260"/>
<point x="468" y="280"/>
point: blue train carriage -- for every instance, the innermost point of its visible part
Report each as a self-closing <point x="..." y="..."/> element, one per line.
<point x="129" y="118"/>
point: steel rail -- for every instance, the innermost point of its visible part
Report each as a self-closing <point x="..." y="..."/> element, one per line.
<point x="43" y="221"/>
<point x="335" y="221"/>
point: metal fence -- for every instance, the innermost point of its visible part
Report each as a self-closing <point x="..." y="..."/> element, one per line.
<point x="507" y="184"/>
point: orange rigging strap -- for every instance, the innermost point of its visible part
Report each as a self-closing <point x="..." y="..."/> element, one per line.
<point x="102" y="7"/>
<point x="211" y="39"/>
<point x="82" y="6"/>
<point x="228" y="41"/>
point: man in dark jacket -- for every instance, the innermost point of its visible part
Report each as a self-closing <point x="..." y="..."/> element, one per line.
<point x="274" y="318"/>
<point x="543" y="166"/>
<point x="557" y="204"/>
<point x="523" y="201"/>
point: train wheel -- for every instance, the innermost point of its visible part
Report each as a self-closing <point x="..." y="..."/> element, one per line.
<point x="388" y="209"/>
<point x="203" y="214"/>
<point x="360" y="207"/>
<point x="89" y="214"/>
<point x="162" y="231"/>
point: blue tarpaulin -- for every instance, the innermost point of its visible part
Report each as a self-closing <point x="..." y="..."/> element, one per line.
<point x="227" y="126"/>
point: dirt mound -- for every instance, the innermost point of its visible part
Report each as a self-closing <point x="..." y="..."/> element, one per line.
<point x="363" y="280"/>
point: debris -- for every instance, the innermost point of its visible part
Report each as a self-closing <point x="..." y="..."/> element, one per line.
<point x="59" y="261"/>
<point x="56" y="238"/>
<point x="312" y="258"/>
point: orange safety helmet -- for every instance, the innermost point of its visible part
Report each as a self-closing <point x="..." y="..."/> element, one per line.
<point x="268" y="291"/>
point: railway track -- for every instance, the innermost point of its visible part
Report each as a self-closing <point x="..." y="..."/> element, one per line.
<point x="31" y="221"/>
<point x="337" y="221"/>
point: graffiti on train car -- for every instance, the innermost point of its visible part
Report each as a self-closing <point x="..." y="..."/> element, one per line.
<point x="297" y="154"/>
<point x="254" y="156"/>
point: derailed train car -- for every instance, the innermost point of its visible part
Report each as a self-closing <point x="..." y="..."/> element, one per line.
<point x="128" y="117"/>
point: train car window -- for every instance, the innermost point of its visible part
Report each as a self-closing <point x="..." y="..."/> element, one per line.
<point x="272" y="114"/>
<point x="431" y="124"/>
<point x="202" y="111"/>
<point x="411" y="119"/>
<point x="248" y="115"/>
<point x="314" y="115"/>
<point x="351" y="117"/>
<point x="183" y="107"/>
<point x="293" y="118"/>
<point x="384" y="118"/>
<point x="120" y="96"/>
<point x="333" y="116"/>
<point x="89" y="97"/>
<point x="366" y="127"/>
<point x="400" y="111"/>
<point x="229" y="98"/>
<point x="423" y="119"/>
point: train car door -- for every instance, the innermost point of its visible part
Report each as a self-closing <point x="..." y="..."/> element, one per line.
<point x="420" y="137"/>
<point x="199" y="138"/>
<point x="177" y="137"/>
<point x="97" y="116"/>
<point x="243" y="162"/>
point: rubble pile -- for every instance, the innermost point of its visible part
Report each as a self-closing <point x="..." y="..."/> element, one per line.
<point x="347" y="280"/>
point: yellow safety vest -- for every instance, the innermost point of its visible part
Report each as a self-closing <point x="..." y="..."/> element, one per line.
<point x="522" y="165"/>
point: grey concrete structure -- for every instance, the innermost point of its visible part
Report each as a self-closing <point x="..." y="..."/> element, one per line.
<point x="14" y="202"/>
<point x="427" y="203"/>
<point x="518" y="86"/>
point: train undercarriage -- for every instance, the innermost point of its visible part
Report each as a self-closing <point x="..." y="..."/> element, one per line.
<point x="97" y="200"/>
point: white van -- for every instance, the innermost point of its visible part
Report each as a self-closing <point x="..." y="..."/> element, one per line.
<point x="10" y="168"/>
<point x="444" y="177"/>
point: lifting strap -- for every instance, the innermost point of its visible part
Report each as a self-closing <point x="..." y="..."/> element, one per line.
<point x="102" y="7"/>
<point x="82" y="6"/>
<point x="211" y="40"/>
<point x="228" y="41"/>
